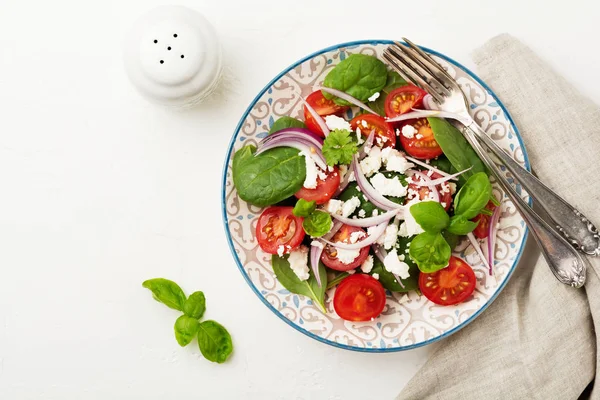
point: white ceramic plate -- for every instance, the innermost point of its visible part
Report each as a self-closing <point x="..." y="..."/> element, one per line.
<point x="405" y="324"/>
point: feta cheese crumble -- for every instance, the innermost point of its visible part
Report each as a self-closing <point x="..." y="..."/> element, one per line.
<point x="362" y="213"/>
<point x="371" y="164"/>
<point x="408" y="131"/>
<point x="310" y="182"/>
<point x="367" y="265"/>
<point x="388" y="186"/>
<point x="374" y="97"/>
<point x="298" y="260"/>
<point x="334" y="206"/>
<point x="410" y="226"/>
<point x="356" y="236"/>
<point x="350" y="205"/>
<point x="334" y="122"/>
<point x="389" y="237"/>
<point x="280" y="250"/>
<point x="392" y="263"/>
<point x="394" y="160"/>
<point x="376" y="276"/>
<point x="347" y="256"/>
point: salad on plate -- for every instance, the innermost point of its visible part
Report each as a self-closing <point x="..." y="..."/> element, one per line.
<point x="370" y="192"/>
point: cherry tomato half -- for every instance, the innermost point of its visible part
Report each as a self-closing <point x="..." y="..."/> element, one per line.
<point x="450" y="285"/>
<point x="329" y="255"/>
<point x="423" y="191"/>
<point x="422" y="144"/>
<point x="277" y="226"/>
<point x="359" y="297"/>
<point x="323" y="107"/>
<point x="403" y="99"/>
<point x="482" y="229"/>
<point x="325" y="189"/>
<point x="384" y="132"/>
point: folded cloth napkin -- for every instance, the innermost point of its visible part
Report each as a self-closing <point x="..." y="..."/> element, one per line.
<point x="537" y="340"/>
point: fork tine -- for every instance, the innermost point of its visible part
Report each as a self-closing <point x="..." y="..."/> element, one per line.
<point x="397" y="60"/>
<point x="433" y="65"/>
<point x="425" y="71"/>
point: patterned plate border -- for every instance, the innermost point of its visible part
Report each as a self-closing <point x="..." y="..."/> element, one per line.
<point x="241" y="267"/>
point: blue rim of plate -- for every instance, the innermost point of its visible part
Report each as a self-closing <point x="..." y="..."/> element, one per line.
<point x="241" y="267"/>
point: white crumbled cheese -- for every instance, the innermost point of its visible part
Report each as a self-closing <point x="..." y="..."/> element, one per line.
<point x="452" y="187"/>
<point x="352" y="178"/>
<point x="334" y="122"/>
<point x="280" y="250"/>
<point x="428" y="161"/>
<point x="419" y="136"/>
<point x="388" y="186"/>
<point x="375" y="213"/>
<point x="367" y="265"/>
<point x="392" y="263"/>
<point x="445" y="188"/>
<point x="362" y="213"/>
<point x="351" y="272"/>
<point x="350" y="205"/>
<point x="443" y="204"/>
<point x="298" y="260"/>
<point x="408" y="131"/>
<point x="356" y="236"/>
<point x="374" y="97"/>
<point x="410" y="226"/>
<point x="401" y="257"/>
<point x="329" y="168"/>
<point x="317" y="243"/>
<point x="403" y="299"/>
<point x="371" y="164"/>
<point x="310" y="182"/>
<point x="347" y="256"/>
<point x="381" y="140"/>
<point x="389" y="237"/>
<point x="322" y="175"/>
<point x="334" y="206"/>
<point x="394" y="160"/>
<point x="376" y="276"/>
<point x="343" y="169"/>
<point x="398" y="132"/>
<point x="364" y="123"/>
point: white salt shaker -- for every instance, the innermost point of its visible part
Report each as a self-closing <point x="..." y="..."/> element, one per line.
<point x="173" y="57"/>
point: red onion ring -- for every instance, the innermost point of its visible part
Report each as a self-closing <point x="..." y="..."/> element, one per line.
<point x="477" y="247"/>
<point x="439" y="181"/>
<point x="347" y="97"/>
<point x="432" y="188"/>
<point x="320" y="121"/>
<point x="367" y="222"/>
<point x="367" y="145"/>
<point x="492" y="232"/>
<point x="297" y="143"/>
<point x="430" y="167"/>
<point x="369" y="191"/>
<point x="429" y="113"/>
<point x="369" y="240"/>
<point x="316" y="251"/>
<point x="293" y="133"/>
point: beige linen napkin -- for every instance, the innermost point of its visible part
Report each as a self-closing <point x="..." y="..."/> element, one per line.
<point x="537" y="340"/>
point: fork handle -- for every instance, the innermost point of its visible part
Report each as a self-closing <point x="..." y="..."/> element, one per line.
<point x="565" y="262"/>
<point x="569" y="221"/>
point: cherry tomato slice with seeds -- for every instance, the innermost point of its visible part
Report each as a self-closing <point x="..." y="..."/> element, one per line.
<point x="277" y="226"/>
<point x="423" y="191"/>
<point x="384" y="132"/>
<point x="323" y="107"/>
<point x="325" y="189"/>
<point x="403" y="99"/>
<point x="422" y="144"/>
<point x="450" y="285"/>
<point x="359" y="297"/>
<point x="329" y="255"/>
<point x="482" y="229"/>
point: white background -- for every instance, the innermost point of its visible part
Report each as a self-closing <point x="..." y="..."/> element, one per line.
<point x="100" y="190"/>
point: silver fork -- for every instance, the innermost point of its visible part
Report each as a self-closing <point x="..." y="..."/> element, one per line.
<point x="570" y="230"/>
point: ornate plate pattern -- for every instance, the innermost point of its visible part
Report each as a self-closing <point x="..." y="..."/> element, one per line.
<point x="407" y="321"/>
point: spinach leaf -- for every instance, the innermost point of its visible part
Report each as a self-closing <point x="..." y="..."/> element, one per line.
<point x="268" y="178"/>
<point x="167" y="292"/>
<point x="359" y="75"/>
<point x="456" y="148"/>
<point x="388" y="280"/>
<point x="473" y="196"/>
<point x="286" y="122"/>
<point x="317" y="223"/>
<point x="195" y="305"/>
<point x="394" y="81"/>
<point x="339" y="147"/>
<point x="303" y="208"/>
<point x="430" y="251"/>
<point x="459" y="225"/>
<point x="214" y="341"/>
<point x="430" y="215"/>
<point x="443" y="164"/>
<point x="309" y="288"/>
<point x="185" y="329"/>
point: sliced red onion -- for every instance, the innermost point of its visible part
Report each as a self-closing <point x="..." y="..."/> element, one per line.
<point x="492" y="232"/>
<point x="337" y="225"/>
<point x="439" y="181"/>
<point x="369" y="191"/>
<point x="347" y="97"/>
<point x="369" y="240"/>
<point x="317" y="250"/>
<point x="319" y="120"/>
<point x="429" y="103"/>
<point x="381" y="254"/>
<point x="293" y="133"/>
<point x="427" y="182"/>
<point x="344" y="183"/>
<point x="370" y="221"/>
<point x="429" y="113"/>
<point x="366" y="147"/>
<point x="477" y="247"/>
<point x="430" y="167"/>
<point x="297" y="143"/>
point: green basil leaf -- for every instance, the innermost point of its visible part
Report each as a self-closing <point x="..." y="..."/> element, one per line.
<point x="167" y="292"/>
<point x="339" y="147"/>
<point x="451" y="238"/>
<point x="459" y="225"/>
<point x="359" y="75"/>
<point x="214" y="341"/>
<point x="456" y="148"/>
<point x="195" y="305"/>
<point x="309" y="288"/>
<point x="317" y="224"/>
<point x="394" y="81"/>
<point x="430" y="215"/>
<point x="268" y="178"/>
<point x="473" y="196"/>
<point x="185" y="329"/>
<point x="304" y="208"/>
<point x="430" y="251"/>
<point x="285" y="123"/>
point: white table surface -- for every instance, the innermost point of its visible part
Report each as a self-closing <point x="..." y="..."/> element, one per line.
<point x="101" y="190"/>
